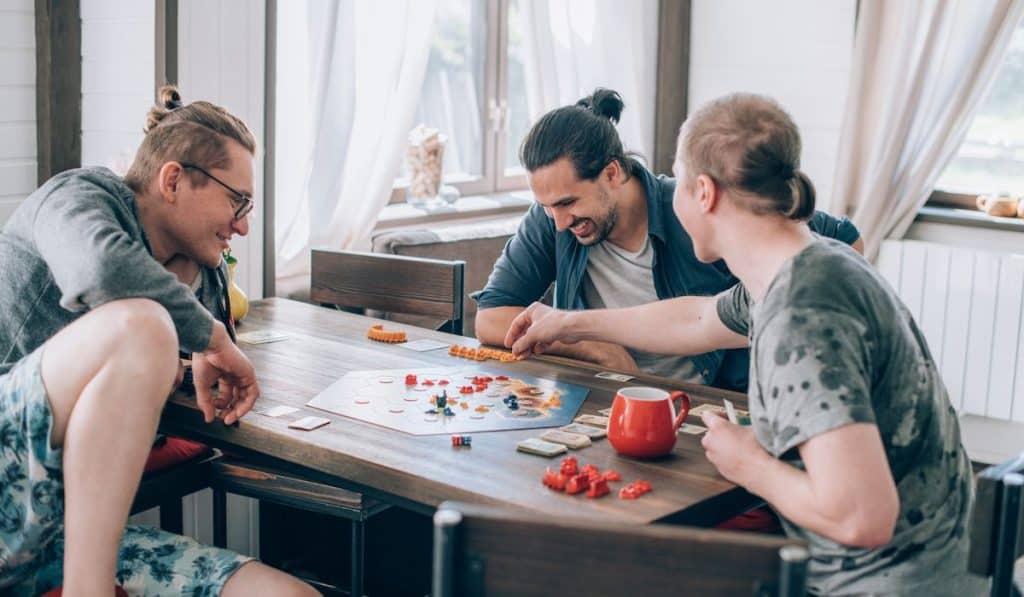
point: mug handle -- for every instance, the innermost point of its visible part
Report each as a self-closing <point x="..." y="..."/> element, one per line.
<point x="684" y="408"/>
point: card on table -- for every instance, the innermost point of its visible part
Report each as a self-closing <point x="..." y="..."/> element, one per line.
<point x="592" y="420"/>
<point x="535" y="445"/>
<point x="587" y="430"/>
<point x="276" y="411"/>
<point x="261" y="337"/>
<point x="692" y="429"/>
<point x="424" y="345"/>
<point x="614" y="376"/>
<point x="309" y="423"/>
<point x="607" y="412"/>
<point x="573" y="440"/>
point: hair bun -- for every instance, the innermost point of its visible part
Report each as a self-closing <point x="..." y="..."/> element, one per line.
<point x="169" y="97"/>
<point x="606" y="103"/>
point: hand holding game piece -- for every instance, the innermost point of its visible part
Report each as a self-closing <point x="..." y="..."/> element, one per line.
<point x="538" y="327"/>
<point x="733" y="449"/>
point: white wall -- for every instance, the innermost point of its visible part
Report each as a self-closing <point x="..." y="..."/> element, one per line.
<point x="17" y="104"/>
<point x="796" y="51"/>
<point x="118" y="78"/>
<point x="221" y="59"/>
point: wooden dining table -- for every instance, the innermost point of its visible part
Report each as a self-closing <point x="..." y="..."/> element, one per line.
<point x="421" y="471"/>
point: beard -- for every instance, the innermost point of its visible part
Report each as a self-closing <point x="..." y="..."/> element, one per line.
<point x="603" y="223"/>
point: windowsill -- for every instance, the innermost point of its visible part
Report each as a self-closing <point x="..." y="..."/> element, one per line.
<point x="968" y="217"/>
<point x="472" y="206"/>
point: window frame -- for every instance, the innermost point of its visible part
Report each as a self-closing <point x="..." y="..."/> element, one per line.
<point x="493" y="116"/>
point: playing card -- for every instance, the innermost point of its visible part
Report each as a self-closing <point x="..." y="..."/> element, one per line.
<point x="692" y="429"/>
<point x="276" y="411"/>
<point x="698" y="410"/>
<point x="730" y="411"/>
<point x="592" y="420"/>
<point x="424" y="345"/>
<point x="535" y="445"/>
<point x="573" y="440"/>
<point x="614" y="376"/>
<point x="606" y="411"/>
<point x="309" y="423"/>
<point x="261" y="337"/>
<point x="587" y="430"/>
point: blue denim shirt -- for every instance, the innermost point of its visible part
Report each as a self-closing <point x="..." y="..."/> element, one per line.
<point x="538" y="255"/>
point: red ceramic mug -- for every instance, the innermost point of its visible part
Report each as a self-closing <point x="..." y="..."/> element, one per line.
<point x="644" y="421"/>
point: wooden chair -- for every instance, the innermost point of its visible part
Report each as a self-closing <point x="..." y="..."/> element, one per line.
<point x="175" y="468"/>
<point x="997" y="532"/>
<point x="480" y="550"/>
<point x="391" y="283"/>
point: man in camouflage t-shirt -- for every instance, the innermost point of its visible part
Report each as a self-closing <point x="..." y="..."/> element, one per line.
<point x="832" y="345"/>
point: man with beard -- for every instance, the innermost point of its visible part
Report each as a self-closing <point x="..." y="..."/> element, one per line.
<point x="603" y="230"/>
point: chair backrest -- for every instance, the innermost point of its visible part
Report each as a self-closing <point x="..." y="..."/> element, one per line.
<point x="480" y="550"/>
<point x="997" y="535"/>
<point x="391" y="283"/>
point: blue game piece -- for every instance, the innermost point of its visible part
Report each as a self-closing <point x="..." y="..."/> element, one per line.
<point x="513" y="406"/>
<point x="432" y="411"/>
<point x="467" y="440"/>
<point x="448" y="412"/>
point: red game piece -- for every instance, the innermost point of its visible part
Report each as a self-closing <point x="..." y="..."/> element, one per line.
<point x="611" y="475"/>
<point x="577" y="484"/>
<point x="410" y="380"/>
<point x="428" y="383"/>
<point x="634" y="490"/>
<point x="501" y="377"/>
<point x="480" y="388"/>
<point x="554" y="480"/>
<point x="443" y="382"/>
<point x="466" y="390"/>
<point x="569" y="466"/>
<point x="597" y="489"/>
<point x="590" y="471"/>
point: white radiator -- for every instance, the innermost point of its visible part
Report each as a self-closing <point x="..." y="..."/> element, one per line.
<point x="968" y="304"/>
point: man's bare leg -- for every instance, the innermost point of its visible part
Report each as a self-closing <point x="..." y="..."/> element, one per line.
<point x="256" y="579"/>
<point x="107" y="376"/>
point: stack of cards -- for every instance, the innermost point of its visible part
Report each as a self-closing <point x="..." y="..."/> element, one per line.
<point x="573" y="440"/>
<point x="587" y="430"/>
<point x="534" y="445"/>
<point x="261" y="337"/>
<point x="595" y="420"/>
<point x="309" y="423"/>
<point x="614" y="376"/>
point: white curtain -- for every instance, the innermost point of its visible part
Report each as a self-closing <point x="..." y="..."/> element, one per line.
<point x="574" y="46"/>
<point x="349" y="76"/>
<point x="920" y="70"/>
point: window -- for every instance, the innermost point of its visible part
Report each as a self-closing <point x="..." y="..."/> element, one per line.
<point x="991" y="158"/>
<point x="474" y="68"/>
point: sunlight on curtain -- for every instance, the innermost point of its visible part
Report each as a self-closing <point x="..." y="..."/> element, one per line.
<point x="571" y="47"/>
<point x="349" y="78"/>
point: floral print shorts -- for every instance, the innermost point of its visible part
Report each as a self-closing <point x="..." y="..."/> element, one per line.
<point x="151" y="561"/>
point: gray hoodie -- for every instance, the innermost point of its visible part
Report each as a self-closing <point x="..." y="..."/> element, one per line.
<point x="77" y="243"/>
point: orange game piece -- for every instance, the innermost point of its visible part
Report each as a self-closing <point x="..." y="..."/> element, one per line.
<point x="569" y="466"/>
<point x="481" y="409"/>
<point x="611" y="475"/>
<point x="377" y="333"/>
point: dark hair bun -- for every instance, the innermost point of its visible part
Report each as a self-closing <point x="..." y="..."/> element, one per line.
<point x="606" y="103"/>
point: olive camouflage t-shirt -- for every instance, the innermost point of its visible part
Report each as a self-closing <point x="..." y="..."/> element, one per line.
<point x="831" y="345"/>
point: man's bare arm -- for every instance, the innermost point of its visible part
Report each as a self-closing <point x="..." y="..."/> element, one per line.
<point x="492" y="325"/>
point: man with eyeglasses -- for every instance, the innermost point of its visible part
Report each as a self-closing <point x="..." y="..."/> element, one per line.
<point x="103" y="280"/>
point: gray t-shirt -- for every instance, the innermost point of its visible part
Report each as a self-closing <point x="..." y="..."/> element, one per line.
<point x="831" y="345"/>
<point x="77" y="243"/>
<point x="618" y="278"/>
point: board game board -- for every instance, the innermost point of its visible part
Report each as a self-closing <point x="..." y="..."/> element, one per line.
<point x="478" y="398"/>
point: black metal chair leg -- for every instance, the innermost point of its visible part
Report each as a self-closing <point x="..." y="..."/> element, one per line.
<point x="220" y="518"/>
<point x="171" y="516"/>
<point x="1006" y="548"/>
<point x="356" y="561"/>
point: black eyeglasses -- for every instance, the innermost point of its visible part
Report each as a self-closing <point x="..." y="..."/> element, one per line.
<point x="243" y="201"/>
